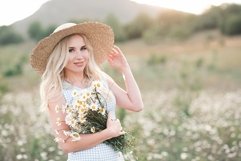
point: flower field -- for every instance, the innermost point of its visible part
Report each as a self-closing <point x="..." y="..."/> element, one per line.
<point x="192" y="98"/>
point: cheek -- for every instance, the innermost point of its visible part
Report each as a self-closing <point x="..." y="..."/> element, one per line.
<point x="86" y="55"/>
<point x="70" y="60"/>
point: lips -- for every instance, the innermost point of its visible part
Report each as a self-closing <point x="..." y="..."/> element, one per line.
<point x="79" y="64"/>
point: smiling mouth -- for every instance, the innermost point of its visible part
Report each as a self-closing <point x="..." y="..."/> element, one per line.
<point x="79" y="64"/>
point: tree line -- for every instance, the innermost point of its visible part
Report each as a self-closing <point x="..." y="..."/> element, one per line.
<point x="171" y="24"/>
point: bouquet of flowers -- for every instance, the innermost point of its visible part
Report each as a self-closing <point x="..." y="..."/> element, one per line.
<point x="87" y="114"/>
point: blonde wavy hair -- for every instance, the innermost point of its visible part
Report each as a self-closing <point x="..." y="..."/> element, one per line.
<point x="51" y="80"/>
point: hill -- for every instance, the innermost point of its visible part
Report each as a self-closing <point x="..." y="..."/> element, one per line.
<point x="60" y="11"/>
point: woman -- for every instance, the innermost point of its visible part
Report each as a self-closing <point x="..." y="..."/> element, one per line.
<point x="68" y="60"/>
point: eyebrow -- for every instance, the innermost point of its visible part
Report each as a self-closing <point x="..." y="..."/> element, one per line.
<point x="74" y="47"/>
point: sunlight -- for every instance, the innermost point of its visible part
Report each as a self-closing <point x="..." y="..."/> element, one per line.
<point x="14" y="10"/>
<point x="195" y="7"/>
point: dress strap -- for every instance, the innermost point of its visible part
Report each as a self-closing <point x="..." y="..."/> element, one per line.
<point x="104" y="81"/>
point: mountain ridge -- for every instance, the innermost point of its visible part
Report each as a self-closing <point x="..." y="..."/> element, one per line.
<point x="51" y="12"/>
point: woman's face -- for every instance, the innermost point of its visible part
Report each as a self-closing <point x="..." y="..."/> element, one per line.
<point x="78" y="55"/>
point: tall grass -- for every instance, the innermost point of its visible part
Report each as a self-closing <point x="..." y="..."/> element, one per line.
<point x="192" y="106"/>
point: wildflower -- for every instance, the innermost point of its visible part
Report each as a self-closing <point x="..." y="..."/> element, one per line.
<point x="84" y="97"/>
<point x="73" y="122"/>
<point x="91" y="106"/>
<point x="96" y="84"/>
<point x="75" y="93"/>
<point x="75" y="136"/>
<point x="68" y="109"/>
<point x="82" y="120"/>
<point x="43" y="155"/>
<point x="102" y="110"/>
<point x="79" y="102"/>
<point x="183" y="156"/>
<point x="82" y="110"/>
<point x="94" y="108"/>
<point x="88" y="94"/>
<point x="92" y="129"/>
<point x="57" y="140"/>
<point x="19" y="157"/>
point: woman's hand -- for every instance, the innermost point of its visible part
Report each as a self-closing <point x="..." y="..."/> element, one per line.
<point x="114" y="126"/>
<point x="117" y="59"/>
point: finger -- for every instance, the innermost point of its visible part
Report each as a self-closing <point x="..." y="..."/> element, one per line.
<point x="114" y="51"/>
<point x="110" y="57"/>
<point x="117" y="49"/>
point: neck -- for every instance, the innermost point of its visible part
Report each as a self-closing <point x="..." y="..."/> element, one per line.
<point x="76" y="79"/>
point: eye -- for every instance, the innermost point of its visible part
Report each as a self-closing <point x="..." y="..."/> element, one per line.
<point x="71" y="50"/>
<point x="83" y="48"/>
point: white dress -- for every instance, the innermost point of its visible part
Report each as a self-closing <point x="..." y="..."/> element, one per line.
<point x="101" y="152"/>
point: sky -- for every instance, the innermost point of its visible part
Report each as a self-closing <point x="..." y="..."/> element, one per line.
<point x="15" y="10"/>
<point x="190" y="6"/>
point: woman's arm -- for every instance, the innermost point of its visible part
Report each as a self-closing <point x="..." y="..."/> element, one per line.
<point x="86" y="141"/>
<point x="130" y="98"/>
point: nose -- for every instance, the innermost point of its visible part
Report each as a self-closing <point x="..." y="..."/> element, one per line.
<point x="79" y="55"/>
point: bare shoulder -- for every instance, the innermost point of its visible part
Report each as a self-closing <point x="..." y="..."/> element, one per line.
<point x="108" y="78"/>
<point x="113" y="86"/>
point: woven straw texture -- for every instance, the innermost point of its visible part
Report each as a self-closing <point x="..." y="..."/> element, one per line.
<point x="100" y="36"/>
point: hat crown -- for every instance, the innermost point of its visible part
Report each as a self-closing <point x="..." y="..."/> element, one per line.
<point x="64" y="26"/>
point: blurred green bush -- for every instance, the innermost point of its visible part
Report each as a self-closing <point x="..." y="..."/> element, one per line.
<point x="9" y="36"/>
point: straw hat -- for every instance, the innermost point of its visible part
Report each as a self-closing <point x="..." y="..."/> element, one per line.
<point x="100" y="35"/>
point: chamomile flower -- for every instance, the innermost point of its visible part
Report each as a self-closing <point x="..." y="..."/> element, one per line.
<point x="82" y="110"/>
<point x="79" y="102"/>
<point x="82" y="119"/>
<point x="57" y="139"/>
<point x="102" y="110"/>
<point x="70" y="120"/>
<point x="75" y="136"/>
<point x="85" y="96"/>
<point x="92" y="129"/>
<point x="75" y="93"/>
<point x="94" y="107"/>
<point x="68" y="109"/>
<point x="97" y="84"/>
<point x="88" y="94"/>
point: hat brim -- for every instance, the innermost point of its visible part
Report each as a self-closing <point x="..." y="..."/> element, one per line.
<point x="100" y="36"/>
